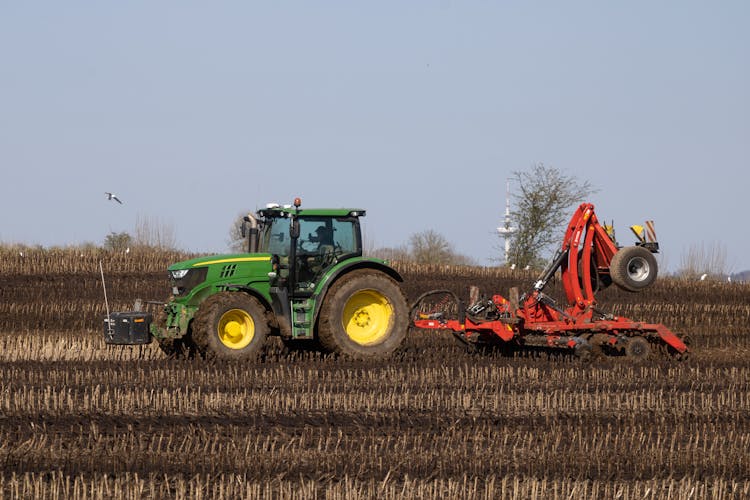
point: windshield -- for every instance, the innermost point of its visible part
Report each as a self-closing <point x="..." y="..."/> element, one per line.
<point x="275" y="237"/>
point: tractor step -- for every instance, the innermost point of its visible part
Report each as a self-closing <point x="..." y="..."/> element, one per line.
<point x="302" y="319"/>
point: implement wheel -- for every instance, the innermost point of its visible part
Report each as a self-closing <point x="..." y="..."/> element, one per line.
<point x="638" y="349"/>
<point x="633" y="268"/>
<point x="364" y="315"/>
<point x="230" y="325"/>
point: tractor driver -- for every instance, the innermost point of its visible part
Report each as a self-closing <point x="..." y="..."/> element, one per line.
<point x="324" y="238"/>
<point x="313" y="263"/>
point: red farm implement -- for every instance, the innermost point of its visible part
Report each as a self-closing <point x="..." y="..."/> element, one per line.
<point x="588" y="260"/>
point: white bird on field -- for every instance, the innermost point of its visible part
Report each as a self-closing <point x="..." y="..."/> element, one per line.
<point x="704" y="276"/>
<point x="112" y="196"/>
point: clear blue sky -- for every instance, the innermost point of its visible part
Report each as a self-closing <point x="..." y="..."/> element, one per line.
<point x="193" y="112"/>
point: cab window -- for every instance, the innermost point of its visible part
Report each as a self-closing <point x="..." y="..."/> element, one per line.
<point x="337" y="235"/>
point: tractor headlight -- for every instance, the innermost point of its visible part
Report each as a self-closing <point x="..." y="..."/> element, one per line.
<point x="179" y="274"/>
<point x="184" y="280"/>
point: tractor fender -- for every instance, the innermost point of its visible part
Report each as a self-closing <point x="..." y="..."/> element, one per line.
<point x="249" y="289"/>
<point x="342" y="270"/>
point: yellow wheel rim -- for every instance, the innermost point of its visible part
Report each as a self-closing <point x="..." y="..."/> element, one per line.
<point x="367" y="317"/>
<point x="236" y="329"/>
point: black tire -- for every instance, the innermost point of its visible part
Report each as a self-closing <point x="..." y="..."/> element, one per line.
<point x="633" y="269"/>
<point x="364" y="316"/>
<point x="638" y="349"/>
<point x="230" y="326"/>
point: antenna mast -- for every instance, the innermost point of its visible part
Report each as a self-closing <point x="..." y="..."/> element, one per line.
<point x="506" y="230"/>
<point x="106" y="303"/>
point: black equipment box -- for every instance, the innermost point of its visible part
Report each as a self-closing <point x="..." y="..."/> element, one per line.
<point x="127" y="328"/>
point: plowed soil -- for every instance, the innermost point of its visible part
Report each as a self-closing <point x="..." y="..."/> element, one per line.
<point x="81" y="419"/>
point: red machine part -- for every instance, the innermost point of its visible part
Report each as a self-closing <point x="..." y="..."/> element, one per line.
<point x="584" y="257"/>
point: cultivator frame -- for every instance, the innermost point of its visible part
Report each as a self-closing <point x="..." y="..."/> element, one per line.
<point x="589" y="259"/>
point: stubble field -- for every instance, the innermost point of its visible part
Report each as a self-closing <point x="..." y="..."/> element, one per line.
<point x="79" y="419"/>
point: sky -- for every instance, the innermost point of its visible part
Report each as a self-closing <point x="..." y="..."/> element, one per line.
<point x="418" y="111"/>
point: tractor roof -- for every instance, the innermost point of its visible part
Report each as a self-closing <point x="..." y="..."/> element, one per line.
<point x="314" y="212"/>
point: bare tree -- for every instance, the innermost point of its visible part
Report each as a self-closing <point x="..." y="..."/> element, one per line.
<point x="542" y="207"/>
<point x="117" y="241"/>
<point x="399" y="253"/>
<point x="704" y="261"/>
<point x="154" y="233"/>
<point x="236" y="242"/>
<point x="370" y="248"/>
<point x="431" y="247"/>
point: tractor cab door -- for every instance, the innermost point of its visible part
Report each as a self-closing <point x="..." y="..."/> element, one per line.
<point x="322" y="242"/>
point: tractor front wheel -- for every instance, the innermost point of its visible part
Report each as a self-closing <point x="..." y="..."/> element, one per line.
<point x="230" y="326"/>
<point x="364" y="315"/>
<point x="633" y="268"/>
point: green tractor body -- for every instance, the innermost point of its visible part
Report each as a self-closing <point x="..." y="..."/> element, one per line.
<point x="303" y="279"/>
<point x="194" y="280"/>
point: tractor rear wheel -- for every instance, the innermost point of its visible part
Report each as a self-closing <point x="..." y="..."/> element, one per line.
<point x="633" y="268"/>
<point x="230" y="326"/>
<point x="364" y="315"/>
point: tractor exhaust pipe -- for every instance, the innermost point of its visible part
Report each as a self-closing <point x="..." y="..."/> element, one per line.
<point x="252" y="234"/>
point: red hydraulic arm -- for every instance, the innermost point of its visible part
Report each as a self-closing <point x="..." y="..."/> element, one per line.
<point x="598" y="249"/>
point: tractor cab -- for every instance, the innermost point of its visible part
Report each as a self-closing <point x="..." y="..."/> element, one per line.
<point x="309" y="249"/>
<point x="320" y="240"/>
<point x="304" y="244"/>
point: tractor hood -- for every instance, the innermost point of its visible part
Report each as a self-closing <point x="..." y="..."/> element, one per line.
<point x="240" y="258"/>
<point x="193" y="280"/>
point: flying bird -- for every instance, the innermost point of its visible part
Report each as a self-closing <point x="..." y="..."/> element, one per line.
<point x="112" y="196"/>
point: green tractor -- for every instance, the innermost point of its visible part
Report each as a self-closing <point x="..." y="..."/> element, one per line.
<point x="304" y="279"/>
